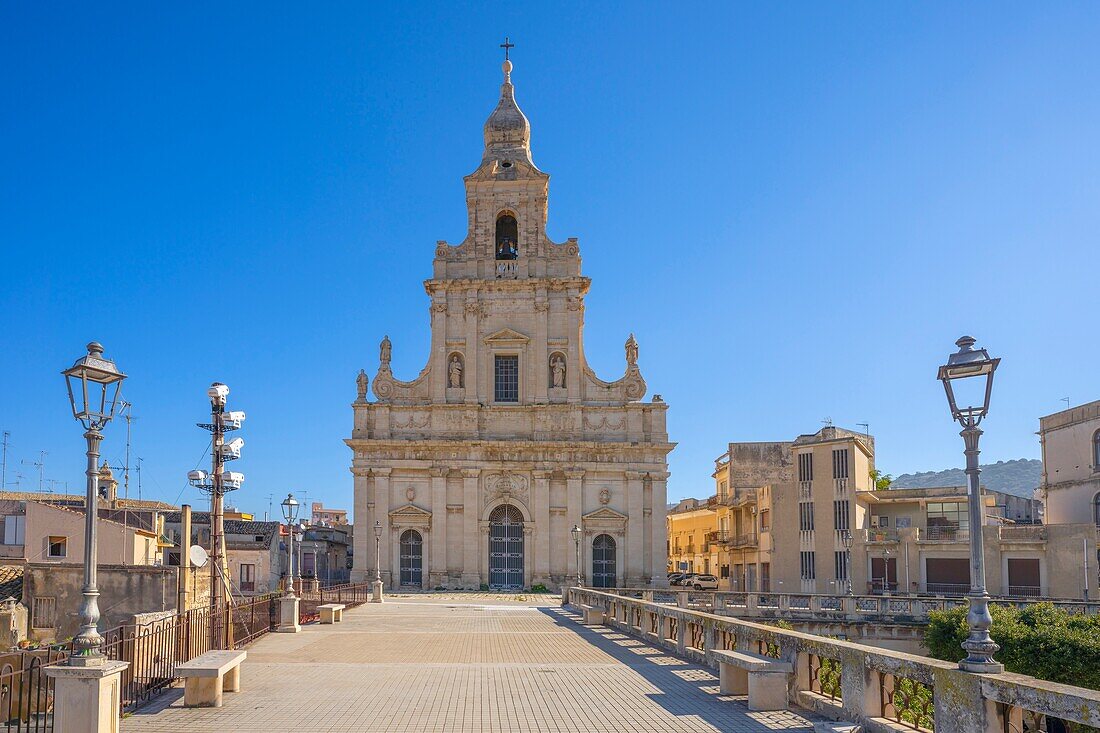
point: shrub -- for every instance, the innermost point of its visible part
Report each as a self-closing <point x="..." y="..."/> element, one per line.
<point x="1040" y="640"/>
<point x="539" y="588"/>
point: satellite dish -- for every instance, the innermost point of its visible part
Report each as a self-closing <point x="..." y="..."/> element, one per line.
<point x="198" y="556"/>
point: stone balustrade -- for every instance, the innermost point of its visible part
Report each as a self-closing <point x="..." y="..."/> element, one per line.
<point x="830" y="607"/>
<point x="878" y="688"/>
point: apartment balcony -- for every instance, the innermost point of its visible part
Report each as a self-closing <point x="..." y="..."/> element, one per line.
<point x="1022" y="533"/>
<point x="745" y="540"/>
<point x="943" y="533"/>
<point x="879" y="536"/>
<point x="741" y="497"/>
<point x="719" y="536"/>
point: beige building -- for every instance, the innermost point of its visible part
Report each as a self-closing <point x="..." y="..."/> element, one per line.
<point x="691" y="526"/>
<point x="479" y="466"/>
<point x="918" y="541"/>
<point x="1070" y="441"/>
<point x="780" y="512"/>
<point x="330" y="517"/>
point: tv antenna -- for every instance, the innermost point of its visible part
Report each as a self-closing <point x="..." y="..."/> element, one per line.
<point x="866" y="428"/>
<point x="1066" y="400"/>
<point x="40" y="464"/>
<point x="827" y="422"/>
<point x="4" y="465"/>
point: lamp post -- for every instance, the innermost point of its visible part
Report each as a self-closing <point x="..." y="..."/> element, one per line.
<point x="971" y="371"/>
<point x="289" y="619"/>
<point x="89" y="381"/>
<point x="87" y="687"/>
<point x="376" y="585"/>
<point x="576" y="532"/>
<point x="846" y="538"/>
<point x="290" y="507"/>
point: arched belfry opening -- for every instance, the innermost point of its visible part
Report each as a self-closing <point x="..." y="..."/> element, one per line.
<point x="507" y="239"/>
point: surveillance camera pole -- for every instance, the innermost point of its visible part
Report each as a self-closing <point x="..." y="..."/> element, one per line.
<point x="219" y="587"/>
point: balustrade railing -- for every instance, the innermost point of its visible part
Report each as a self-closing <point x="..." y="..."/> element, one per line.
<point x="881" y="689"/>
<point x="841" y="607"/>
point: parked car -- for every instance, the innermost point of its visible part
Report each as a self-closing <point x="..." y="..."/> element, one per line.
<point x="684" y="579"/>
<point x="705" y="582"/>
<point x="673" y="577"/>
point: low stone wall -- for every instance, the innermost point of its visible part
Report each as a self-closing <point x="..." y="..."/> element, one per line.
<point x="879" y="688"/>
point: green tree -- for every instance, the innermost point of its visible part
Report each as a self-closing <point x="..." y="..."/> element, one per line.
<point x="881" y="481"/>
<point x="1039" y="640"/>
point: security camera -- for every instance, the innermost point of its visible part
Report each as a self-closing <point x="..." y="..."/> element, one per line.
<point x="234" y="416"/>
<point x="217" y="391"/>
<point x="197" y="477"/>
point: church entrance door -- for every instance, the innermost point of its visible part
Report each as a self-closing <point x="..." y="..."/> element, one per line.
<point x="412" y="558"/>
<point x="603" y="561"/>
<point x="506" y="547"/>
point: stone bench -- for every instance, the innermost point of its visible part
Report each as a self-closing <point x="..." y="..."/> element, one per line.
<point x="594" y="615"/>
<point x="763" y="679"/>
<point x="208" y="675"/>
<point x="332" y="613"/>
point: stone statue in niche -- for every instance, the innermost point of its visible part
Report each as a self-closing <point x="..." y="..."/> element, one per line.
<point x="631" y="351"/>
<point x="384" y="351"/>
<point x="361" y="386"/>
<point x="557" y="371"/>
<point x="454" y="372"/>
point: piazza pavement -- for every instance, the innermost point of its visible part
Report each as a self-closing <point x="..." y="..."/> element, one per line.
<point x="464" y="662"/>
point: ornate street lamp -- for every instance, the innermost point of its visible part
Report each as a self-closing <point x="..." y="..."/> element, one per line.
<point x="93" y="383"/>
<point x="576" y="532"/>
<point x="969" y="371"/>
<point x="846" y="538"/>
<point x="290" y="506"/>
<point x="376" y="586"/>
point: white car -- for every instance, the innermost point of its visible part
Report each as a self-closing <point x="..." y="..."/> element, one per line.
<point x="704" y="582"/>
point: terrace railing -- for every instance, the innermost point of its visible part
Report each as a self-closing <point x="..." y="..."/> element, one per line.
<point x="835" y="606"/>
<point x="883" y="690"/>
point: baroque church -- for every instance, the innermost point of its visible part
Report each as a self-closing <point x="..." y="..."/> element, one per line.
<point x="481" y="468"/>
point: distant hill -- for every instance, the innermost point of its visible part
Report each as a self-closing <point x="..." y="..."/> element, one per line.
<point x="1019" y="477"/>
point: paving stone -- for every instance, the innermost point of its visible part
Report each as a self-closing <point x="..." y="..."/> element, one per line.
<point x="446" y="663"/>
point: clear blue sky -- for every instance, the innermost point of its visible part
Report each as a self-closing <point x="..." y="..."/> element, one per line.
<point x="797" y="209"/>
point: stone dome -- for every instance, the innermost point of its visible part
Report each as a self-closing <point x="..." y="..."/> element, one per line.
<point x="507" y="127"/>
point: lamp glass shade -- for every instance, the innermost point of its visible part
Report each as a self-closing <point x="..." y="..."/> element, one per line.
<point x="290" y="507"/>
<point x="968" y="381"/>
<point x="576" y="532"/>
<point x="93" y="382"/>
<point x="377" y="528"/>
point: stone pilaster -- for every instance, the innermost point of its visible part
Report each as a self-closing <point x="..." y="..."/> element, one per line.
<point x="471" y="573"/>
<point x="574" y="499"/>
<point x="658" y="530"/>
<point x="382" y="514"/>
<point x="541" y="502"/>
<point x="635" y="529"/>
<point x="473" y="350"/>
<point x="438" y="573"/>
<point x="362" y="541"/>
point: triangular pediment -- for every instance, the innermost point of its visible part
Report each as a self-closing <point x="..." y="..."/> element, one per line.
<point x="506" y="336"/>
<point x="605" y="514"/>
<point x="410" y="511"/>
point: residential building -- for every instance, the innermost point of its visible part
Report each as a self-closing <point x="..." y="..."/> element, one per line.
<point x="254" y="550"/>
<point x="324" y="553"/>
<point x="690" y="525"/>
<point x="479" y="467"/>
<point x="330" y="517"/>
<point x="1070" y="442"/>
<point x="918" y="541"/>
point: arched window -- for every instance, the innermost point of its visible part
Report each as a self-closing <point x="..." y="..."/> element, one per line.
<point x="507" y="239"/>
<point x="1096" y="509"/>
<point x="1096" y="451"/>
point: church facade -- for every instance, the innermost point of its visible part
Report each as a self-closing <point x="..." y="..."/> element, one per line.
<point x="479" y="470"/>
